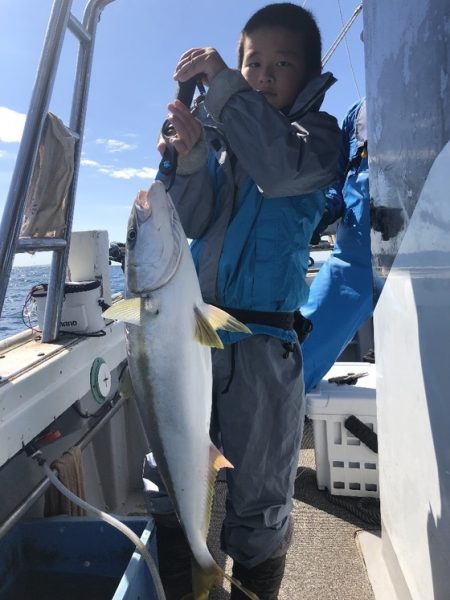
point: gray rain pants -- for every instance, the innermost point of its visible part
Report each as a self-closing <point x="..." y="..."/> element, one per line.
<point x="257" y="420"/>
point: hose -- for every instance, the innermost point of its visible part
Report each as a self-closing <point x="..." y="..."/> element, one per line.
<point x="140" y="546"/>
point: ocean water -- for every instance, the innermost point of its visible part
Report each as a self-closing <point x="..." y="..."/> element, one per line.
<point x="21" y="281"/>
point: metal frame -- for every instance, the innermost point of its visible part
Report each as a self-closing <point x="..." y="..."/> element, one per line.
<point x="61" y="20"/>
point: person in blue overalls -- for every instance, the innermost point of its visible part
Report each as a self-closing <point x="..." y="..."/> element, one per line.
<point x="253" y="165"/>
<point x="341" y="295"/>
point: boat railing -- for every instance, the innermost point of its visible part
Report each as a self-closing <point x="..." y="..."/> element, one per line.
<point x="61" y="20"/>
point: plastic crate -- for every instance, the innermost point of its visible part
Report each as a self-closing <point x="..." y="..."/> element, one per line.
<point x="344" y="464"/>
<point x="68" y="558"/>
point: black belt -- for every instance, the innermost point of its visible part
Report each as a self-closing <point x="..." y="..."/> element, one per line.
<point x="282" y="320"/>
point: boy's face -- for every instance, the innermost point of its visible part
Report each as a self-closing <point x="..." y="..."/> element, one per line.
<point x="273" y="64"/>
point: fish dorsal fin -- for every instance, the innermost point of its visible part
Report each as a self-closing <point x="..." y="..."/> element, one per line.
<point x="219" y="319"/>
<point x="125" y="310"/>
<point x="204" y="332"/>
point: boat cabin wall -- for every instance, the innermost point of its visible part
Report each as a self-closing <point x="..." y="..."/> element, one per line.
<point x="408" y="105"/>
<point x="407" y="56"/>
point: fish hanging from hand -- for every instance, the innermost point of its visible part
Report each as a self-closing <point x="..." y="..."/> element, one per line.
<point x="169" y="331"/>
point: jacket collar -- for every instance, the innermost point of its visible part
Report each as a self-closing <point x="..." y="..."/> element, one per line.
<point x="311" y="97"/>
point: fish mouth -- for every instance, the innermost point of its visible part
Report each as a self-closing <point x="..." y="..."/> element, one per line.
<point x="142" y="206"/>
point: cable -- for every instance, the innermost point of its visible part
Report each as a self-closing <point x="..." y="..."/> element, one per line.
<point x="348" y="52"/>
<point x="140" y="546"/>
<point x="338" y="40"/>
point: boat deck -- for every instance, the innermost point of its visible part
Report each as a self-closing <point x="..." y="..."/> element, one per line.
<point x="324" y="561"/>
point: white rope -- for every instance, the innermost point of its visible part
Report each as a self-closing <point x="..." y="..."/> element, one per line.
<point x="348" y="52"/>
<point x="338" y="40"/>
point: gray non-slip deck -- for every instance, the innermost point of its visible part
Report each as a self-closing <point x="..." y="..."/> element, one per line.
<point x="324" y="562"/>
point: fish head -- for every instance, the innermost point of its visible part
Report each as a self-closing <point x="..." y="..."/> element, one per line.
<point x="154" y="241"/>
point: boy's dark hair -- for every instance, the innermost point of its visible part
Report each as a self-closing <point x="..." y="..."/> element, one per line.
<point x="293" y="18"/>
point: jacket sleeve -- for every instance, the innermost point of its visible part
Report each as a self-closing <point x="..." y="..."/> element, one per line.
<point x="283" y="158"/>
<point x="192" y="192"/>
<point x="334" y="195"/>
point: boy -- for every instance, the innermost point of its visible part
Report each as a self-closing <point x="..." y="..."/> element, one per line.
<point x="248" y="189"/>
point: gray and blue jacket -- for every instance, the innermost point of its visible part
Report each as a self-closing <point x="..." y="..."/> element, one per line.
<point x="251" y="192"/>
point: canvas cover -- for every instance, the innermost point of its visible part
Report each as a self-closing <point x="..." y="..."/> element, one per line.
<point x="46" y="203"/>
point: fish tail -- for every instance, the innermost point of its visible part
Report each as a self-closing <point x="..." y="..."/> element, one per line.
<point x="203" y="580"/>
<point x="208" y="574"/>
<point x="238" y="584"/>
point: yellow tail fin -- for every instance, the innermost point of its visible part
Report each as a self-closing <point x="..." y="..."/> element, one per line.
<point x="203" y="582"/>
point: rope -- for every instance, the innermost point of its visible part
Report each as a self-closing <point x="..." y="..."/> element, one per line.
<point x="348" y="52"/>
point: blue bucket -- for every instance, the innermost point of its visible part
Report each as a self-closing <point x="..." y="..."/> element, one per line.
<point x="73" y="558"/>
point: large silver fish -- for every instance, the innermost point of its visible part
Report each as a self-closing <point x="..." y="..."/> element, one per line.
<point x="169" y="332"/>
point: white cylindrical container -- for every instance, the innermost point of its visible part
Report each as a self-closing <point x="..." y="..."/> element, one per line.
<point x="81" y="311"/>
<point x="89" y="259"/>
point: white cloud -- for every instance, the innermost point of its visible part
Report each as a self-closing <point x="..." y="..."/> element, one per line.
<point x="3" y="154"/>
<point x="112" y="145"/>
<point x="85" y="162"/>
<point x="144" y="173"/>
<point x="11" y="125"/>
<point x="125" y="173"/>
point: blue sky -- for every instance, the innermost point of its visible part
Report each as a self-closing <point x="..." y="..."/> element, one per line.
<point x="138" y="44"/>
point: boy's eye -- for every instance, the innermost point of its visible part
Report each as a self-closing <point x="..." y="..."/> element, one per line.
<point x="284" y="63"/>
<point x="252" y="65"/>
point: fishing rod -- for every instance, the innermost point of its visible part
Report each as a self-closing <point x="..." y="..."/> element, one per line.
<point x="341" y="36"/>
<point x="185" y="93"/>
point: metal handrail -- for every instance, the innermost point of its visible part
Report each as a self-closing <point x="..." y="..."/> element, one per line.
<point x="55" y="293"/>
<point x="60" y="21"/>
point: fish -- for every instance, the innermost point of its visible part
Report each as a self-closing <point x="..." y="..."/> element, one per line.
<point x="169" y="334"/>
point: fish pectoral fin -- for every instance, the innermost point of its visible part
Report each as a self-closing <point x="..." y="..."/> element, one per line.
<point x="204" y="332"/>
<point x="125" y="310"/>
<point x="219" y="319"/>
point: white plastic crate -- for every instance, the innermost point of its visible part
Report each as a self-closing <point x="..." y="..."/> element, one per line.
<point x="345" y="465"/>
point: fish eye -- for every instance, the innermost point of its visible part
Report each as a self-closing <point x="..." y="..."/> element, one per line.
<point x="131" y="237"/>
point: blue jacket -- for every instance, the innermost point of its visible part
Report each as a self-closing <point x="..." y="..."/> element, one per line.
<point x="250" y="196"/>
<point x="341" y="295"/>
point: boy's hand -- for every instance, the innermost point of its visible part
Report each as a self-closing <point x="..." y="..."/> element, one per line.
<point x="187" y="127"/>
<point x="206" y="62"/>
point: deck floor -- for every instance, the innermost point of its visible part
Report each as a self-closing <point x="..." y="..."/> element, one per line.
<point x="324" y="562"/>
